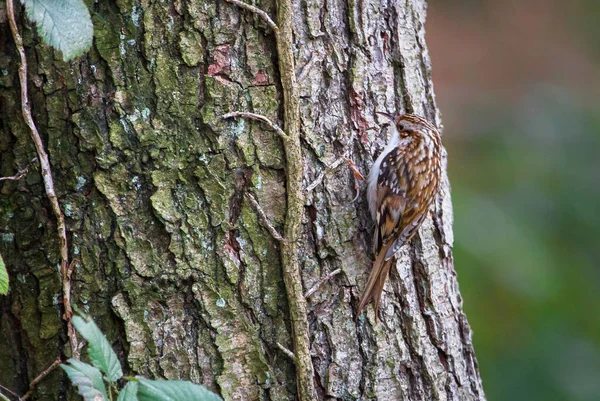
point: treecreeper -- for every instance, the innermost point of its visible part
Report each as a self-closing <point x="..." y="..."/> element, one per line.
<point x="402" y="184"/>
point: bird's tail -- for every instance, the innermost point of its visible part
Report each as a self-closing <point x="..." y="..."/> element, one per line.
<point x="374" y="288"/>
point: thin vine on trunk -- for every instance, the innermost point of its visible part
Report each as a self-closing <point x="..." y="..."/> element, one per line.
<point x="284" y="36"/>
<point x="65" y="267"/>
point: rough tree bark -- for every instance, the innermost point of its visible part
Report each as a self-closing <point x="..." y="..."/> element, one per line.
<point x="171" y="258"/>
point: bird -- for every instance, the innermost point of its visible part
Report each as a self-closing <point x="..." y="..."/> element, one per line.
<point x="401" y="186"/>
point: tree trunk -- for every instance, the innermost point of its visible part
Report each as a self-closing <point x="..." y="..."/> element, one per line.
<point x="170" y="257"/>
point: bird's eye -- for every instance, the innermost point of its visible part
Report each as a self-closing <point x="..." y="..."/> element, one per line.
<point x="400" y="127"/>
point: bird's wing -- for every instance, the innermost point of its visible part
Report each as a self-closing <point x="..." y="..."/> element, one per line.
<point x="399" y="210"/>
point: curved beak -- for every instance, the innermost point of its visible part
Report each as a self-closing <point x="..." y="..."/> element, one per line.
<point x="389" y="116"/>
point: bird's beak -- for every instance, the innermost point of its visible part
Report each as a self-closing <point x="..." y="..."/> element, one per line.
<point x="389" y="116"/>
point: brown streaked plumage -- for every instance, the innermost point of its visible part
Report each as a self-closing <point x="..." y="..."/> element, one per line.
<point x="402" y="185"/>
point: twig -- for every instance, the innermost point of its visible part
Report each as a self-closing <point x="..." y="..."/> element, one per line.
<point x="258" y="12"/>
<point x="321" y="176"/>
<point x="3" y="397"/>
<point x="263" y="217"/>
<point x="21" y="173"/>
<point x="48" y="181"/>
<point x="320" y="283"/>
<point x="287" y="352"/>
<point x="40" y="378"/>
<point x="258" y="117"/>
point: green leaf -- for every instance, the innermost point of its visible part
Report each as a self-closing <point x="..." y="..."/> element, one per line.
<point x="3" y="278"/>
<point x="173" y="390"/>
<point x="101" y="354"/>
<point x="129" y="392"/>
<point x="87" y="379"/>
<point x="63" y="24"/>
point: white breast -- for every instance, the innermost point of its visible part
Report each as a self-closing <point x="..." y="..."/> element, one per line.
<point x="376" y="168"/>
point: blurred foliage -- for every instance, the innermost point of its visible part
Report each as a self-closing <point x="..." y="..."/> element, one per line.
<point x="526" y="251"/>
<point x="525" y="175"/>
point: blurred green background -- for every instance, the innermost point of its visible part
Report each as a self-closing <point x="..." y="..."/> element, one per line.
<point x="518" y="84"/>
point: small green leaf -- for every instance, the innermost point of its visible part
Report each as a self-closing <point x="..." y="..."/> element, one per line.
<point x="173" y="390"/>
<point x="129" y="392"/>
<point x="101" y="354"/>
<point x="3" y="278"/>
<point x="87" y="379"/>
<point x="63" y="24"/>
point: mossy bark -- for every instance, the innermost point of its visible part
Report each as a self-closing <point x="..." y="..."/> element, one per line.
<point x="170" y="258"/>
